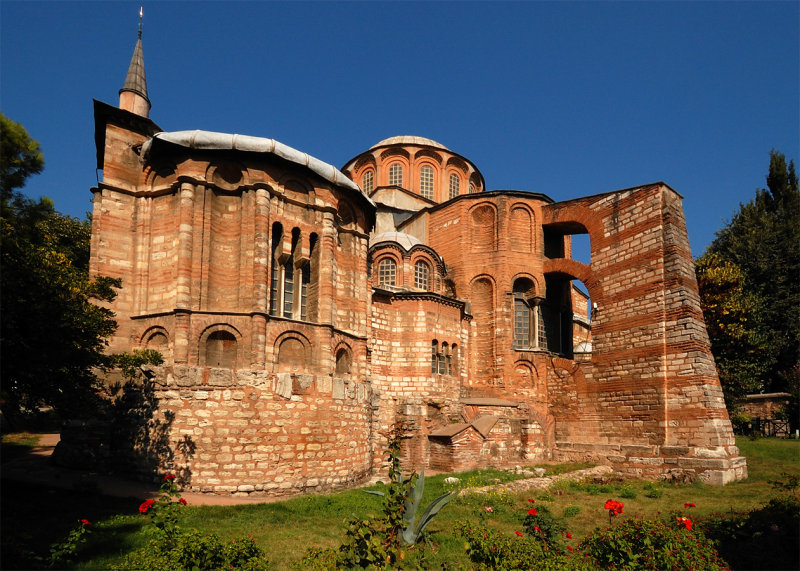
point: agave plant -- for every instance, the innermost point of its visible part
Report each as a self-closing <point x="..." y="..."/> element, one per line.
<point x="413" y="490"/>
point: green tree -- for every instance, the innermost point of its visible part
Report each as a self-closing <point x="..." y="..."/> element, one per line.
<point x="763" y="239"/>
<point x="52" y="333"/>
<point x="742" y="354"/>
<point x="20" y="157"/>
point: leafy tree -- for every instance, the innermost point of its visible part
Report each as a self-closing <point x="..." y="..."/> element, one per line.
<point x="742" y="354"/>
<point x="762" y="240"/>
<point x="20" y="156"/>
<point x="52" y="334"/>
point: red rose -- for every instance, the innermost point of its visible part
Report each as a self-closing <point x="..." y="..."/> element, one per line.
<point x="518" y="533"/>
<point x="531" y="501"/>
<point x="536" y="529"/>
<point x="689" y="506"/>
<point x="146" y="505"/>
<point x="614" y="507"/>
<point x="86" y="522"/>
<point x="532" y="511"/>
<point x="182" y="501"/>
<point x="169" y="477"/>
<point x="569" y="535"/>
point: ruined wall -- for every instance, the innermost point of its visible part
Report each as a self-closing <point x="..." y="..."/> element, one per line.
<point x="651" y="401"/>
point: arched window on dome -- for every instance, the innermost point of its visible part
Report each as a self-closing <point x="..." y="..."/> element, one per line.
<point x="426" y="181"/>
<point x="422" y="274"/>
<point x="455" y="185"/>
<point x="472" y="189"/>
<point x="368" y="181"/>
<point x="387" y="272"/>
<point x="396" y="175"/>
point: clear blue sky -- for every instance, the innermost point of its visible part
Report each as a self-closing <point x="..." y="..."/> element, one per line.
<point x="564" y="98"/>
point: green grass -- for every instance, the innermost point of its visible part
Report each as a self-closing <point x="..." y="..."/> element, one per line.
<point x="16" y="444"/>
<point x="35" y="518"/>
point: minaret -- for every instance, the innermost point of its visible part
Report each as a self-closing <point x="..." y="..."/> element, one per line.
<point x="133" y="95"/>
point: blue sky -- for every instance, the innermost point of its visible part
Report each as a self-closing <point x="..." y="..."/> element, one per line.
<point x="564" y="98"/>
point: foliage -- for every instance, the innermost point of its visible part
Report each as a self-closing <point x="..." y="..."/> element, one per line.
<point x="492" y="549"/>
<point x="650" y="544"/>
<point x="729" y="309"/>
<point x="653" y="490"/>
<point x="20" y="157"/>
<point x="540" y="524"/>
<point x="65" y="552"/>
<point x="53" y="333"/>
<point x="764" y="538"/>
<point x="761" y="240"/>
<point x="163" y="512"/>
<point x="571" y="511"/>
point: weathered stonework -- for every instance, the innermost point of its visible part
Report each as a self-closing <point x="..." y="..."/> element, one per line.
<point x="303" y="318"/>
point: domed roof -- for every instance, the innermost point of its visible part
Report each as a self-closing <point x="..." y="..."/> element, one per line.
<point x="407" y="241"/>
<point x="409" y="140"/>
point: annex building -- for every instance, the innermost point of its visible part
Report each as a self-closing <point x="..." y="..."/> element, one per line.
<point x="305" y="312"/>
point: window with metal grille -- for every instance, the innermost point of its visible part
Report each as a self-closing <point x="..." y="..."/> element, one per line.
<point x="387" y="270"/>
<point x="472" y="189"/>
<point x="426" y="182"/>
<point x="367" y="183"/>
<point x="455" y="185"/>
<point x="396" y="175"/>
<point x="421" y="275"/>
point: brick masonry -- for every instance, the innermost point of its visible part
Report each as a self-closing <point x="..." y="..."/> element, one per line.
<point x="290" y="357"/>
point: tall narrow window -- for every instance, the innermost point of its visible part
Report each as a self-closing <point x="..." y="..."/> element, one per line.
<point x="421" y="275"/>
<point x="368" y="182"/>
<point x="396" y="175"/>
<point x="522" y="324"/>
<point x="387" y="270"/>
<point x="472" y="189"/>
<point x="288" y="276"/>
<point x="444" y="360"/>
<point x="426" y="182"/>
<point x="275" y="282"/>
<point x="305" y="279"/>
<point x="455" y="185"/>
<point x="435" y="357"/>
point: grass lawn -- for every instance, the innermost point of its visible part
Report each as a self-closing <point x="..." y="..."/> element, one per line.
<point x="33" y="518"/>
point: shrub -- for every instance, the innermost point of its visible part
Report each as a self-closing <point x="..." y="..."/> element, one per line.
<point x="765" y="538"/>
<point x="650" y="544"/>
<point x="652" y="490"/>
<point x="494" y="550"/>
<point x="627" y="492"/>
<point x="541" y="524"/>
<point x="572" y="511"/>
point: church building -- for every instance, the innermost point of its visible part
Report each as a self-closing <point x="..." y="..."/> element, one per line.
<point x="307" y="313"/>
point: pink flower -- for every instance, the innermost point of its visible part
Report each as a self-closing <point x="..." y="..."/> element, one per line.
<point x="488" y="509"/>
<point x="536" y="529"/>
<point x="518" y="534"/>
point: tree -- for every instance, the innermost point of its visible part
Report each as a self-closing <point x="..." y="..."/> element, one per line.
<point x="20" y="157"/>
<point x="52" y="334"/>
<point x="742" y="354"/>
<point x="762" y="240"/>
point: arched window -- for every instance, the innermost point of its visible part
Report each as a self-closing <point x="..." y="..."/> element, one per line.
<point x="426" y="182"/>
<point x="455" y="185"/>
<point x="276" y="281"/>
<point x="421" y="275"/>
<point x="529" y="327"/>
<point x="342" y="362"/>
<point x="387" y="272"/>
<point x="434" y="356"/>
<point x="444" y="360"/>
<point x="290" y="278"/>
<point x="472" y="189"/>
<point x="396" y="175"/>
<point x="221" y="350"/>
<point x="368" y="181"/>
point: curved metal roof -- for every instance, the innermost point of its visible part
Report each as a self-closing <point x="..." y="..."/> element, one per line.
<point x="208" y="140"/>
<point x="408" y="140"/>
<point x="407" y="241"/>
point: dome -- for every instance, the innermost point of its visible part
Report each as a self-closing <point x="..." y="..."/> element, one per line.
<point x="409" y="140"/>
<point x="407" y="241"/>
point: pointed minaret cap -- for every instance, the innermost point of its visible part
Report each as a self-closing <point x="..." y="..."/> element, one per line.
<point x="133" y="95"/>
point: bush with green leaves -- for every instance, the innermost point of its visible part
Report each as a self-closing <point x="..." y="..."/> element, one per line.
<point x="571" y="511"/>
<point x="64" y="552"/>
<point x="764" y="538"/>
<point x="539" y="523"/>
<point x="650" y="544"/>
<point x="491" y="549"/>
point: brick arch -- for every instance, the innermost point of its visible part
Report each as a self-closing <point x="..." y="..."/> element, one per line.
<point x="521" y="226"/>
<point x="572" y="268"/>
<point x="428" y="153"/>
<point x="483" y="227"/>
<point x="207" y="335"/>
<point x="363" y="163"/>
<point x="342" y="348"/>
<point x="292" y="352"/>
<point x="148" y="334"/>
<point x="458" y="162"/>
<point x="568" y="215"/>
<point x="223" y="175"/>
<point x="482" y="291"/>
<point x="395" y="152"/>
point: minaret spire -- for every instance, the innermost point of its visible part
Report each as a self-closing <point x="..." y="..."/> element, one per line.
<point x="133" y="95"/>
